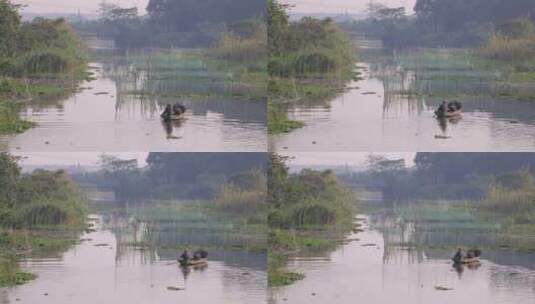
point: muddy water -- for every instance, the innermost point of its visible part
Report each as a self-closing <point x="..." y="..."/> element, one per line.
<point x="103" y="268"/>
<point x="103" y="116"/>
<point x="382" y="112"/>
<point x="382" y="267"/>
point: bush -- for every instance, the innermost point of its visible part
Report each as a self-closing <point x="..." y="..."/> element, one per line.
<point x="248" y="48"/>
<point x="41" y="61"/>
<point x="516" y="28"/>
<point x="513" y="41"/>
<point x="518" y="196"/>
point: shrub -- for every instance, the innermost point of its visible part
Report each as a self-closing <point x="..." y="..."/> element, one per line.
<point x="516" y="28"/>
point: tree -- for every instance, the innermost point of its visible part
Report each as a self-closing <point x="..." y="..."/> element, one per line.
<point x="9" y="25"/>
<point x="9" y="177"/>
<point x="278" y="22"/>
<point x="115" y="13"/>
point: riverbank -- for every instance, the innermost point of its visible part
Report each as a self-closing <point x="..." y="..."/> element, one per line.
<point x="40" y="60"/>
<point x="23" y="243"/>
<point x="17" y="93"/>
<point x="40" y="212"/>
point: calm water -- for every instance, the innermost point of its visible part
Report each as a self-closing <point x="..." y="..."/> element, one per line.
<point x="104" y="116"/>
<point x="115" y="272"/>
<point x="379" y="113"/>
<point x="383" y="267"/>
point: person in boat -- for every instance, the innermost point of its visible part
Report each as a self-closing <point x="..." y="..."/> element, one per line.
<point x="200" y="254"/>
<point x="442" y="108"/>
<point x="473" y="253"/>
<point x="184" y="257"/>
<point x="454" y="106"/>
<point x="178" y="109"/>
<point x="166" y="115"/>
<point x="458" y="257"/>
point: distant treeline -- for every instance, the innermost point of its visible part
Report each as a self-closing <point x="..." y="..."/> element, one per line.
<point x="178" y="175"/>
<point x="442" y="22"/>
<point x="445" y="175"/>
<point x="176" y="23"/>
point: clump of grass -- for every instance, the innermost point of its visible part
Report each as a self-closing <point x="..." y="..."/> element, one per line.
<point x="10" y="274"/>
<point x="250" y="49"/>
<point x="244" y="193"/>
<point x="515" y="199"/>
<point x="278" y="121"/>
<point x="500" y="47"/>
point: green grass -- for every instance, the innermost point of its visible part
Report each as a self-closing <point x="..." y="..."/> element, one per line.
<point x="10" y="122"/>
<point x="278" y="121"/>
<point x="10" y="274"/>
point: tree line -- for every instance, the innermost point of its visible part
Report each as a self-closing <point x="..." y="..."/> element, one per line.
<point x="176" y="23"/>
<point x="443" y="22"/>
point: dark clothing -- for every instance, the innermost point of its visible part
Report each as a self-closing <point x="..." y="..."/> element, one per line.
<point x="166" y="113"/>
<point x="457" y="258"/>
<point x="200" y="254"/>
<point x="178" y="109"/>
<point x="184" y="256"/>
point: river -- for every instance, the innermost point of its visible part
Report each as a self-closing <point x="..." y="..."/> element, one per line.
<point x="106" y="113"/>
<point x="398" y="261"/>
<point x="392" y="108"/>
<point x="106" y="268"/>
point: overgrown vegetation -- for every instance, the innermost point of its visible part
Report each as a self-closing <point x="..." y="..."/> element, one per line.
<point x="512" y="193"/>
<point x="309" y="60"/>
<point x="302" y="204"/>
<point x="244" y="193"/>
<point x="513" y="42"/>
<point x="37" y="58"/>
<point x="31" y="204"/>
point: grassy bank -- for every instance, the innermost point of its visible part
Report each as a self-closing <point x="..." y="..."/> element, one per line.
<point x="40" y="212"/>
<point x="310" y="212"/>
<point x="39" y="60"/>
<point x="310" y="60"/>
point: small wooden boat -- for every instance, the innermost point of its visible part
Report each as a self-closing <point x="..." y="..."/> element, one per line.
<point x="193" y="262"/>
<point x="176" y="117"/>
<point x="448" y="114"/>
<point x="467" y="261"/>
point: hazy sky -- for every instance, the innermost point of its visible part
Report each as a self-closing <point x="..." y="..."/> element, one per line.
<point x="358" y="159"/>
<point x="341" y="6"/>
<point x="72" y="6"/>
